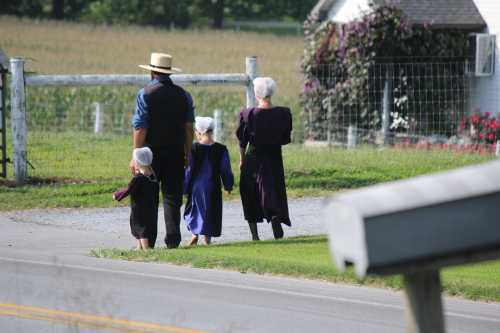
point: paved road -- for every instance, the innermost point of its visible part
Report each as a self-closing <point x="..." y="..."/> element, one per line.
<point x="47" y="284"/>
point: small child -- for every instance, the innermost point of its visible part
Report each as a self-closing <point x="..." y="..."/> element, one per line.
<point x="143" y="190"/>
<point x="209" y="168"/>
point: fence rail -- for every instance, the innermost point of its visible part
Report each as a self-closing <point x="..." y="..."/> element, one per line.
<point x="130" y="80"/>
<point x="20" y="82"/>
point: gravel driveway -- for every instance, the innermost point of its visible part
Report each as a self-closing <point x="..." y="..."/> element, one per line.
<point x="78" y="230"/>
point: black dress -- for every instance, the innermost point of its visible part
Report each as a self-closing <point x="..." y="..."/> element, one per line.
<point x="143" y="191"/>
<point x="262" y="132"/>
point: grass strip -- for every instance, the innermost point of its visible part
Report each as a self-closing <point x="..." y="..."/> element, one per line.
<point x="78" y="170"/>
<point x="308" y="257"/>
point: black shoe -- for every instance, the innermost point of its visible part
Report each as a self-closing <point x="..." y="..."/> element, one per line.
<point x="277" y="230"/>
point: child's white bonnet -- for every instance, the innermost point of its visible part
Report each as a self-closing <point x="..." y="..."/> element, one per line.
<point x="143" y="156"/>
<point x="204" y="124"/>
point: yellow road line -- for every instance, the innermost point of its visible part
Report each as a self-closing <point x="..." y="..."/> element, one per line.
<point x="105" y="322"/>
<point x="71" y="322"/>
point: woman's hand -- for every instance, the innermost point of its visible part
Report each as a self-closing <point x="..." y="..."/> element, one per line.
<point x="241" y="164"/>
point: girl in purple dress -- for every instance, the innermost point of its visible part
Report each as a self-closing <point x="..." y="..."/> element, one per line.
<point x="209" y="169"/>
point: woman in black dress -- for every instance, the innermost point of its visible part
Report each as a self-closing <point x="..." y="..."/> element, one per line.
<point x="261" y="133"/>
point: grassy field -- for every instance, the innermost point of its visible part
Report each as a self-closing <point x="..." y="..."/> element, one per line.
<point x="82" y="170"/>
<point x="308" y="257"/>
<point x="70" y="48"/>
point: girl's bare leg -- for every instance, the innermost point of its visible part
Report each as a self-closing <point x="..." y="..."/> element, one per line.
<point x="144" y="243"/>
<point x="207" y="240"/>
<point x="194" y="240"/>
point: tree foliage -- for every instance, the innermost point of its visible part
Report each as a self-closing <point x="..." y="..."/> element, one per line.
<point x="343" y="64"/>
<point x="160" y="12"/>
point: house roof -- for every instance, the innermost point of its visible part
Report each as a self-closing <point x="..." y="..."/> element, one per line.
<point x="320" y="11"/>
<point x="460" y="14"/>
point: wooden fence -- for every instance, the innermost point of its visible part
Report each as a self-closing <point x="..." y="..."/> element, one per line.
<point x="20" y="81"/>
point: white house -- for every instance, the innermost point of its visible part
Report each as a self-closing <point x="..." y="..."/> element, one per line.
<point x="476" y="16"/>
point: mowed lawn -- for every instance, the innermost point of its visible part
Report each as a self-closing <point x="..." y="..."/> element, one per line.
<point x="308" y="257"/>
<point x="83" y="170"/>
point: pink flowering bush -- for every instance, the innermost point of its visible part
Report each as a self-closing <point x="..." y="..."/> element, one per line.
<point x="481" y="127"/>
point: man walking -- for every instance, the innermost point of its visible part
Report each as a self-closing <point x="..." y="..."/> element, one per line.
<point x="163" y="121"/>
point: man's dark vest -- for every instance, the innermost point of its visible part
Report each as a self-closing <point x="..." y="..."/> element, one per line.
<point x="167" y="108"/>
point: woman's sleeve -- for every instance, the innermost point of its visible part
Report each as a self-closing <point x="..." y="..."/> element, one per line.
<point x="287" y="134"/>
<point x="226" y="172"/>
<point x="241" y="131"/>
<point x="188" y="174"/>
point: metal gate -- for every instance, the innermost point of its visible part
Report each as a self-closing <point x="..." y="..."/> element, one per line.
<point x="3" y="125"/>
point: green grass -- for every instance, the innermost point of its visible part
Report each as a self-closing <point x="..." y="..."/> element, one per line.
<point x="308" y="257"/>
<point x="82" y="170"/>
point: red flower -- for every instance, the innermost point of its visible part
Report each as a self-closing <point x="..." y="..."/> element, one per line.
<point x="491" y="136"/>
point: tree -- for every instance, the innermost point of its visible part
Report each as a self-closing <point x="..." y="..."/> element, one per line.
<point x="218" y="14"/>
<point x="58" y="9"/>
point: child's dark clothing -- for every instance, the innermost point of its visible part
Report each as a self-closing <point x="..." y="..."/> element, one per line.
<point x="209" y="169"/>
<point x="143" y="191"/>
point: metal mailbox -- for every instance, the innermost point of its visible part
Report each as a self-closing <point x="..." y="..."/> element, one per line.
<point x="416" y="226"/>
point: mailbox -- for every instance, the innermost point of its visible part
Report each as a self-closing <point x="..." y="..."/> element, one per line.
<point x="431" y="221"/>
<point x="416" y="226"/>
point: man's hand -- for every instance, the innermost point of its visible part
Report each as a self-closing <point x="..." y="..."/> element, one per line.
<point x="133" y="167"/>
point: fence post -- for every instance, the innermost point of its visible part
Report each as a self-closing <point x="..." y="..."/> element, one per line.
<point x="219" y="125"/>
<point x="251" y="71"/>
<point x="18" y="117"/>
<point x="387" y="104"/>
<point x="424" y="308"/>
<point x="329" y="124"/>
<point x="352" y="136"/>
<point x="497" y="150"/>
<point x="98" y="121"/>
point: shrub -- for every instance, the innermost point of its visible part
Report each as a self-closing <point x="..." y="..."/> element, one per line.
<point x="481" y="127"/>
<point x="344" y="69"/>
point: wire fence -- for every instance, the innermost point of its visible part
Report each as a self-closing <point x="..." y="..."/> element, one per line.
<point x="412" y="102"/>
<point x="86" y="133"/>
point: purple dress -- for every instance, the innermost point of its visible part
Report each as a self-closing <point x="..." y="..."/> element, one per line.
<point x="209" y="168"/>
<point x="262" y="132"/>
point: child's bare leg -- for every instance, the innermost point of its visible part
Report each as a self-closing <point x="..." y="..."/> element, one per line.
<point x="194" y="240"/>
<point x="139" y="245"/>
<point x="144" y="243"/>
<point x="207" y="240"/>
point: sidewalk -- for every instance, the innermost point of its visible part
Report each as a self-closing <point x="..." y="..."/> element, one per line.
<point x="76" y="231"/>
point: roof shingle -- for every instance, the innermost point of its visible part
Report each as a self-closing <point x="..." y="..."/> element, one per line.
<point x="460" y="14"/>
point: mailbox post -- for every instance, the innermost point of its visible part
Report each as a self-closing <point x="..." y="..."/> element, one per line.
<point x="415" y="227"/>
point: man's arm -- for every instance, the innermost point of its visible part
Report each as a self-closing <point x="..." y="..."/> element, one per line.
<point x="139" y="140"/>
<point x="140" y="122"/>
<point x="140" y="137"/>
<point x="189" y="143"/>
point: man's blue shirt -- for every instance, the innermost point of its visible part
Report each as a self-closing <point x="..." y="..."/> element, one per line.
<point x="141" y="115"/>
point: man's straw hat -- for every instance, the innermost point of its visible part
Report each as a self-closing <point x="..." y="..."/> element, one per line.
<point x="162" y="63"/>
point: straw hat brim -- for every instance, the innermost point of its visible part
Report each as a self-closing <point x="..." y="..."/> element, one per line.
<point x="172" y="70"/>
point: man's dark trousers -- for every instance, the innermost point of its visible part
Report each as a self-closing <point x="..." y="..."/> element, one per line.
<point x="168" y="165"/>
